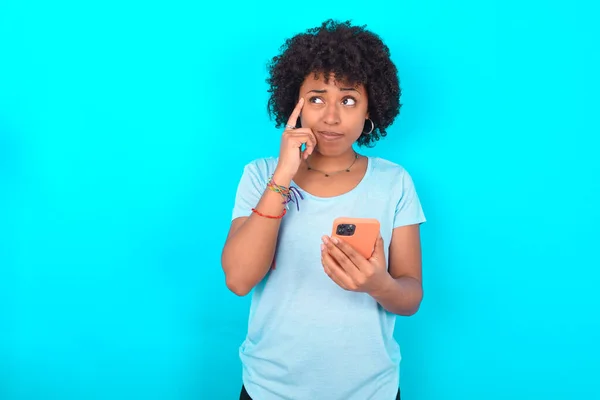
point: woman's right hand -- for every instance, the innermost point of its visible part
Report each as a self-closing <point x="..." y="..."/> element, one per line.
<point x="290" y="152"/>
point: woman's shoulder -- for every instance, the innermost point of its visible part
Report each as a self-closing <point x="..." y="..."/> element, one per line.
<point x="264" y="166"/>
<point x="382" y="166"/>
<point x="392" y="175"/>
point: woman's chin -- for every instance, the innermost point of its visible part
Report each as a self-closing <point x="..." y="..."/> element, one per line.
<point x="330" y="151"/>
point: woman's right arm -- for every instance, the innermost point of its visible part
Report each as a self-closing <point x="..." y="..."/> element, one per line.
<point x="250" y="246"/>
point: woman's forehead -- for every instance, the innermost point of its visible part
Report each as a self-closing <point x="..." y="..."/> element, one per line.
<point x="319" y="81"/>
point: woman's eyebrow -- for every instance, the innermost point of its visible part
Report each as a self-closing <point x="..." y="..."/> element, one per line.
<point x="341" y="90"/>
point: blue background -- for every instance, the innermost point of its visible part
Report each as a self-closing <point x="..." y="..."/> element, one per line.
<point x="124" y="129"/>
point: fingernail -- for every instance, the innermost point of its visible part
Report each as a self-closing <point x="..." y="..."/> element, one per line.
<point x="322" y="247"/>
<point x="335" y="240"/>
<point x="325" y="239"/>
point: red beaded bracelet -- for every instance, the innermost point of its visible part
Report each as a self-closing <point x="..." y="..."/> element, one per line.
<point x="254" y="210"/>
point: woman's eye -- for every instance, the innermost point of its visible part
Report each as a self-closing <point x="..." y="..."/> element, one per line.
<point x="349" y="101"/>
<point x="316" y="100"/>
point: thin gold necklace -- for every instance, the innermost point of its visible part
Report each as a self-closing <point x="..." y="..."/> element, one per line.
<point x="328" y="174"/>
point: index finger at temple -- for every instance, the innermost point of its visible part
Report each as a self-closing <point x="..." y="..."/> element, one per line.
<point x="293" y="120"/>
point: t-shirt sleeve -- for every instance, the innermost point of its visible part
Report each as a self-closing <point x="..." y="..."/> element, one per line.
<point x="408" y="208"/>
<point x="250" y="189"/>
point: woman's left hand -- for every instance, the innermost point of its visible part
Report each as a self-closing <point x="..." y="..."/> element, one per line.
<point x="350" y="270"/>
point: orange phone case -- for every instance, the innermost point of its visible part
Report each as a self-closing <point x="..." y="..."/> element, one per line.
<point x="366" y="231"/>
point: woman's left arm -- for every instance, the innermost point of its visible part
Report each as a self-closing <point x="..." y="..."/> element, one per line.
<point x="401" y="293"/>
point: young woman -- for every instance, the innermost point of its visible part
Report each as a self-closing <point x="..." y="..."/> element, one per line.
<point x="322" y="316"/>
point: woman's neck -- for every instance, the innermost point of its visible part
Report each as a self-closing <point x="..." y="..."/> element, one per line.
<point x="317" y="161"/>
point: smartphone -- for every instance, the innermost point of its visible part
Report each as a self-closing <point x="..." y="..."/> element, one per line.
<point x="360" y="233"/>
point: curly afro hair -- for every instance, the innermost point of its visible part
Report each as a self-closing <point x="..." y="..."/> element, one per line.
<point x="349" y="53"/>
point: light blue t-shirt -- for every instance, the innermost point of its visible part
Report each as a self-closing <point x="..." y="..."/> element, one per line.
<point x="309" y="339"/>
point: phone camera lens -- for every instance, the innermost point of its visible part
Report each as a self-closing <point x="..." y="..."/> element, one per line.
<point x="345" y="229"/>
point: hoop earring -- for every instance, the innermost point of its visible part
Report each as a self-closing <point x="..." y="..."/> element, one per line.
<point x="372" y="127"/>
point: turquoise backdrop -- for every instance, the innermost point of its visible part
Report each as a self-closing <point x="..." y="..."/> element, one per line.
<point x="124" y="128"/>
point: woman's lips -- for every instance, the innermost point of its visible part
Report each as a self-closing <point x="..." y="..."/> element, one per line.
<point x="330" y="136"/>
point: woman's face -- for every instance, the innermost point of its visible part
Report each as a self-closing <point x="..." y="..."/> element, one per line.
<point x="335" y="111"/>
